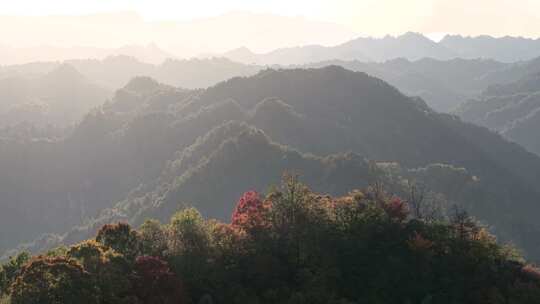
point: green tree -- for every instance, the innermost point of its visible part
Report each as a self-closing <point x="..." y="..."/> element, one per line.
<point x="189" y="249"/>
<point x="153" y="238"/>
<point x="120" y="237"/>
<point x="11" y="269"/>
<point x="53" y="281"/>
<point x="107" y="268"/>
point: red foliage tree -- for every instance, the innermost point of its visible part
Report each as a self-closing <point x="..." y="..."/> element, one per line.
<point x="397" y="209"/>
<point x="155" y="283"/>
<point x="250" y="212"/>
<point x="531" y="272"/>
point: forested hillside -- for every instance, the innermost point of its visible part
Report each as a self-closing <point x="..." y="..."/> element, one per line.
<point x="269" y="152"/>
<point x="288" y="246"/>
<point x="155" y="148"/>
<point x="511" y="109"/>
<point x="443" y="84"/>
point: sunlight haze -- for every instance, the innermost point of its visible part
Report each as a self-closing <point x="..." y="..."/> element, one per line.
<point x="269" y="151"/>
<point x="188" y="28"/>
<point x="368" y="17"/>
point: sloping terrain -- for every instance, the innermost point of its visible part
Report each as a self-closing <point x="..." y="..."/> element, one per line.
<point x="139" y="162"/>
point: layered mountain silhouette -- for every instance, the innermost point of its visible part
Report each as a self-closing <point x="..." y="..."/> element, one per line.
<point x="150" y="53"/>
<point x="156" y="148"/>
<point x="443" y="84"/>
<point x="505" y="49"/>
<point x="61" y="97"/>
<point x="411" y="46"/>
<point x="115" y="71"/>
<point x="183" y="39"/>
<point x="511" y="109"/>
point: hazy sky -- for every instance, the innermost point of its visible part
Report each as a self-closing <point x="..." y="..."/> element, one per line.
<point x="368" y="17"/>
<point x="190" y="28"/>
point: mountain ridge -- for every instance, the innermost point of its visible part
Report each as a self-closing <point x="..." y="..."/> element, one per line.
<point x="336" y="110"/>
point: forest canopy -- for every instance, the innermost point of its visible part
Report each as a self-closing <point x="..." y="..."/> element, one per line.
<point x="289" y="246"/>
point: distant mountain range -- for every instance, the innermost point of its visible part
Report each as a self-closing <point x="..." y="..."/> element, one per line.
<point x="504" y="49"/>
<point x="266" y="39"/>
<point x="183" y="39"/>
<point x="511" y="109"/>
<point x="59" y="96"/>
<point x="114" y="72"/>
<point x="16" y="55"/>
<point x="411" y="46"/>
<point x="443" y="84"/>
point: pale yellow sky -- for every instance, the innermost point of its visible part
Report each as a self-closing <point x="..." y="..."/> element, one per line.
<point x="367" y="17"/>
<point x="188" y="28"/>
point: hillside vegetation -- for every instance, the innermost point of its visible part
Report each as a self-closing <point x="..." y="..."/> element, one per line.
<point x="289" y="246"/>
<point x="155" y="147"/>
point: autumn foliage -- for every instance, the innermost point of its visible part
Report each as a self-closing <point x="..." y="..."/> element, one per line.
<point x="53" y="280"/>
<point x="290" y="246"/>
<point x="251" y="212"/>
<point x="155" y="283"/>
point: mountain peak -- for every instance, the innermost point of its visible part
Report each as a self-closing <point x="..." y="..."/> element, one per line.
<point x="414" y="35"/>
<point x="65" y="72"/>
<point x="240" y="50"/>
<point x="142" y="84"/>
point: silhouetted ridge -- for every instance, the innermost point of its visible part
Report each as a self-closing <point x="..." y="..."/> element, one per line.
<point x="142" y="84"/>
<point x="511" y="109"/>
<point x="274" y="108"/>
<point x="65" y="73"/>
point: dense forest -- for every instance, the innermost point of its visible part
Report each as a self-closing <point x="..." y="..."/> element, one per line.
<point x="289" y="246"/>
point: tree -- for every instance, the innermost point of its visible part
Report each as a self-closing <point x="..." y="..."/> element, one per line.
<point x="188" y="232"/>
<point x="121" y="238"/>
<point x="189" y="249"/>
<point x="53" y="281"/>
<point x="154" y="282"/>
<point x="153" y="238"/>
<point x="251" y="213"/>
<point x="107" y="268"/>
<point x="396" y="208"/>
<point x="423" y="204"/>
<point x="10" y="270"/>
<point x="295" y="246"/>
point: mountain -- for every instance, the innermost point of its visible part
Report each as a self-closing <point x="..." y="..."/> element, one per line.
<point x="294" y="55"/>
<point x="443" y="84"/>
<point x="505" y="49"/>
<point x="241" y="54"/>
<point x="150" y="53"/>
<point x="115" y="71"/>
<point x="511" y="109"/>
<point x="151" y="148"/>
<point x="235" y="153"/>
<point x="412" y="46"/>
<point x="60" y="97"/>
<point x="353" y="111"/>
<point x="180" y="38"/>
